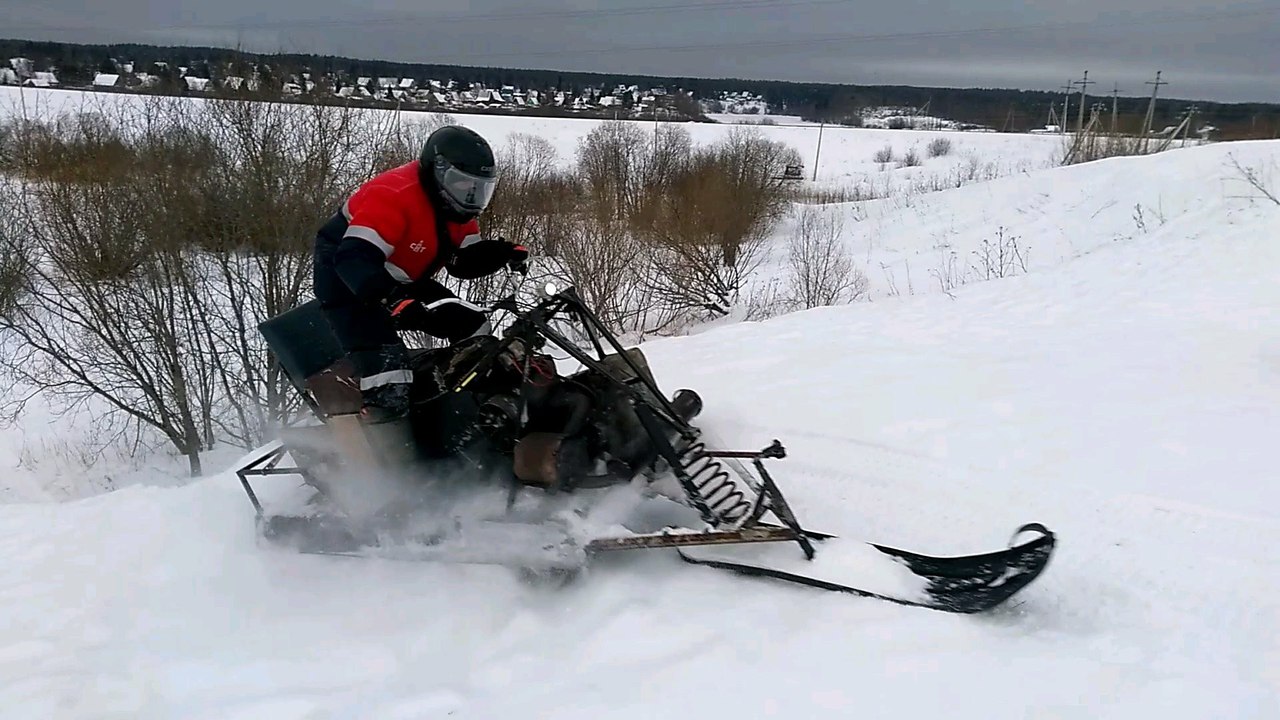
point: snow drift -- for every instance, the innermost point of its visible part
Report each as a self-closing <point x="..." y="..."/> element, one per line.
<point x="1128" y="397"/>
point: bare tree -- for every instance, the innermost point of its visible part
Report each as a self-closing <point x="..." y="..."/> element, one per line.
<point x="100" y="313"/>
<point x="822" y="271"/>
<point x="145" y="272"/>
<point x="532" y="194"/>
<point x="609" y="160"/>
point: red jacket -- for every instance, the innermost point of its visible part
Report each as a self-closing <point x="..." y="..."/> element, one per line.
<point x="392" y="212"/>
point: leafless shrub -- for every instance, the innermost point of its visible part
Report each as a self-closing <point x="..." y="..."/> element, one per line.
<point x="402" y="138"/>
<point x="148" y="267"/>
<point x="666" y="158"/>
<point x="999" y="257"/>
<point x="709" y="225"/>
<point x="1258" y="177"/>
<point x="910" y="159"/>
<point x="948" y="272"/>
<point x="884" y="155"/>
<point x="609" y="161"/>
<point x="14" y="257"/>
<point x="1090" y="144"/>
<point x="8" y="145"/>
<point x="607" y="268"/>
<point x="525" y="204"/>
<point x="822" y="271"/>
<point x="100" y="316"/>
<point x="939" y="147"/>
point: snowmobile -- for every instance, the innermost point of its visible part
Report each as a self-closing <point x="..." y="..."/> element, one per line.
<point x="498" y="425"/>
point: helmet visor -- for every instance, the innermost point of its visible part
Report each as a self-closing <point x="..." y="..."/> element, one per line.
<point x="468" y="192"/>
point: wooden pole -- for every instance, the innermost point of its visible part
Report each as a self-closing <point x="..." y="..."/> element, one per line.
<point x="1084" y="86"/>
<point x="1151" y="109"/>
<point x="818" y="153"/>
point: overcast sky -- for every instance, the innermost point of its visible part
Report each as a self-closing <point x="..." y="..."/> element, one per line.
<point x="1227" y="51"/>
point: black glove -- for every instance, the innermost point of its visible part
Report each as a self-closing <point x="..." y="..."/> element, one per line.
<point x="405" y="311"/>
<point x="485" y="257"/>
<point x="519" y="260"/>
<point x="446" y="317"/>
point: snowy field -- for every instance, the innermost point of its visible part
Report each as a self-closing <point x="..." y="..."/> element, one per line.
<point x="1125" y="391"/>
<point x="846" y="153"/>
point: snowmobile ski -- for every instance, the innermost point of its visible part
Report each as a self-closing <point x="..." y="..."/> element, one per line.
<point x="961" y="584"/>
<point x="536" y="548"/>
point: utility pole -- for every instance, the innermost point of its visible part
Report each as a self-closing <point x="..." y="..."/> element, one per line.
<point x="1151" y="109"/>
<point x="818" y="153"/>
<point x="1084" y="86"/>
<point x="1066" y="105"/>
<point x="1191" y="116"/>
<point x="1115" y="103"/>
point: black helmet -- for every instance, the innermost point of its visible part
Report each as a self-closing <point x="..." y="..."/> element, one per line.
<point x="458" y="171"/>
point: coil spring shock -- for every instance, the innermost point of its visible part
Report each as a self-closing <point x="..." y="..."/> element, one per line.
<point x="717" y="488"/>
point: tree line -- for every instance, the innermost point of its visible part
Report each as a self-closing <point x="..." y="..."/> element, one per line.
<point x="997" y="108"/>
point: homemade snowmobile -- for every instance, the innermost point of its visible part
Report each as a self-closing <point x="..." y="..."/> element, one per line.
<point x="495" y="422"/>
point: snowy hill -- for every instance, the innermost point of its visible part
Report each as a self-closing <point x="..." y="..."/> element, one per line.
<point x="1125" y="391"/>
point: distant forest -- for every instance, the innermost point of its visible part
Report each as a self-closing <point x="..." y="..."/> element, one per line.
<point x="999" y="109"/>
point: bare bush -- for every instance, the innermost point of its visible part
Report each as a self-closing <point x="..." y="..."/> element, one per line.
<point x="709" y="225"/>
<point x="910" y="159"/>
<point x="822" y="271"/>
<point x="609" y="161"/>
<point x="1258" y="177"/>
<point x="1091" y="144"/>
<point x="884" y="155"/>
<point x="948" y="272"/>
<point x="147" y="268"/>
<point x="666" y="158"/>
<point x="607" y="267"/>
<point x="939" y="147"/>
<point x="999" y="257"/>
<point x="403" y="136"/>
<point x="14" y="257"/>
<point x="101" y="313"/>
<point x="524" y="205"/>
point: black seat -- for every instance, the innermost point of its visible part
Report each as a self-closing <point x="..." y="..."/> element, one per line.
<point x="302" y="342"/>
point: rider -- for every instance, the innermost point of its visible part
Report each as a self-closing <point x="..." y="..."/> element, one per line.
<point x="376" y="262"/>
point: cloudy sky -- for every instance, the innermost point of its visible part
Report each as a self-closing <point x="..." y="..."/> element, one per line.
<point x="1228" y="50"/>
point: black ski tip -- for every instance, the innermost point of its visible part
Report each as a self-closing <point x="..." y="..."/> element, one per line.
<point x="975" y="583"/>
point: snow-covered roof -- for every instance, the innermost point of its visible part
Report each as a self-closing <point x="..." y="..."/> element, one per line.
<point x="407" y="83"/>
<point x="196" y="84"/>
<point x="46" y="77"/>
<point x="106" y="80"/>
<point x="363" y="81"/>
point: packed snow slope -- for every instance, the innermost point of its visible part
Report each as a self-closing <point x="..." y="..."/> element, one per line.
<point x="1128" y="398"/>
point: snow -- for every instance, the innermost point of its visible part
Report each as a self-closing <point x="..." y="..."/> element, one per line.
<point x="846" y="153"/>
<point x="1125" y="391"/>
